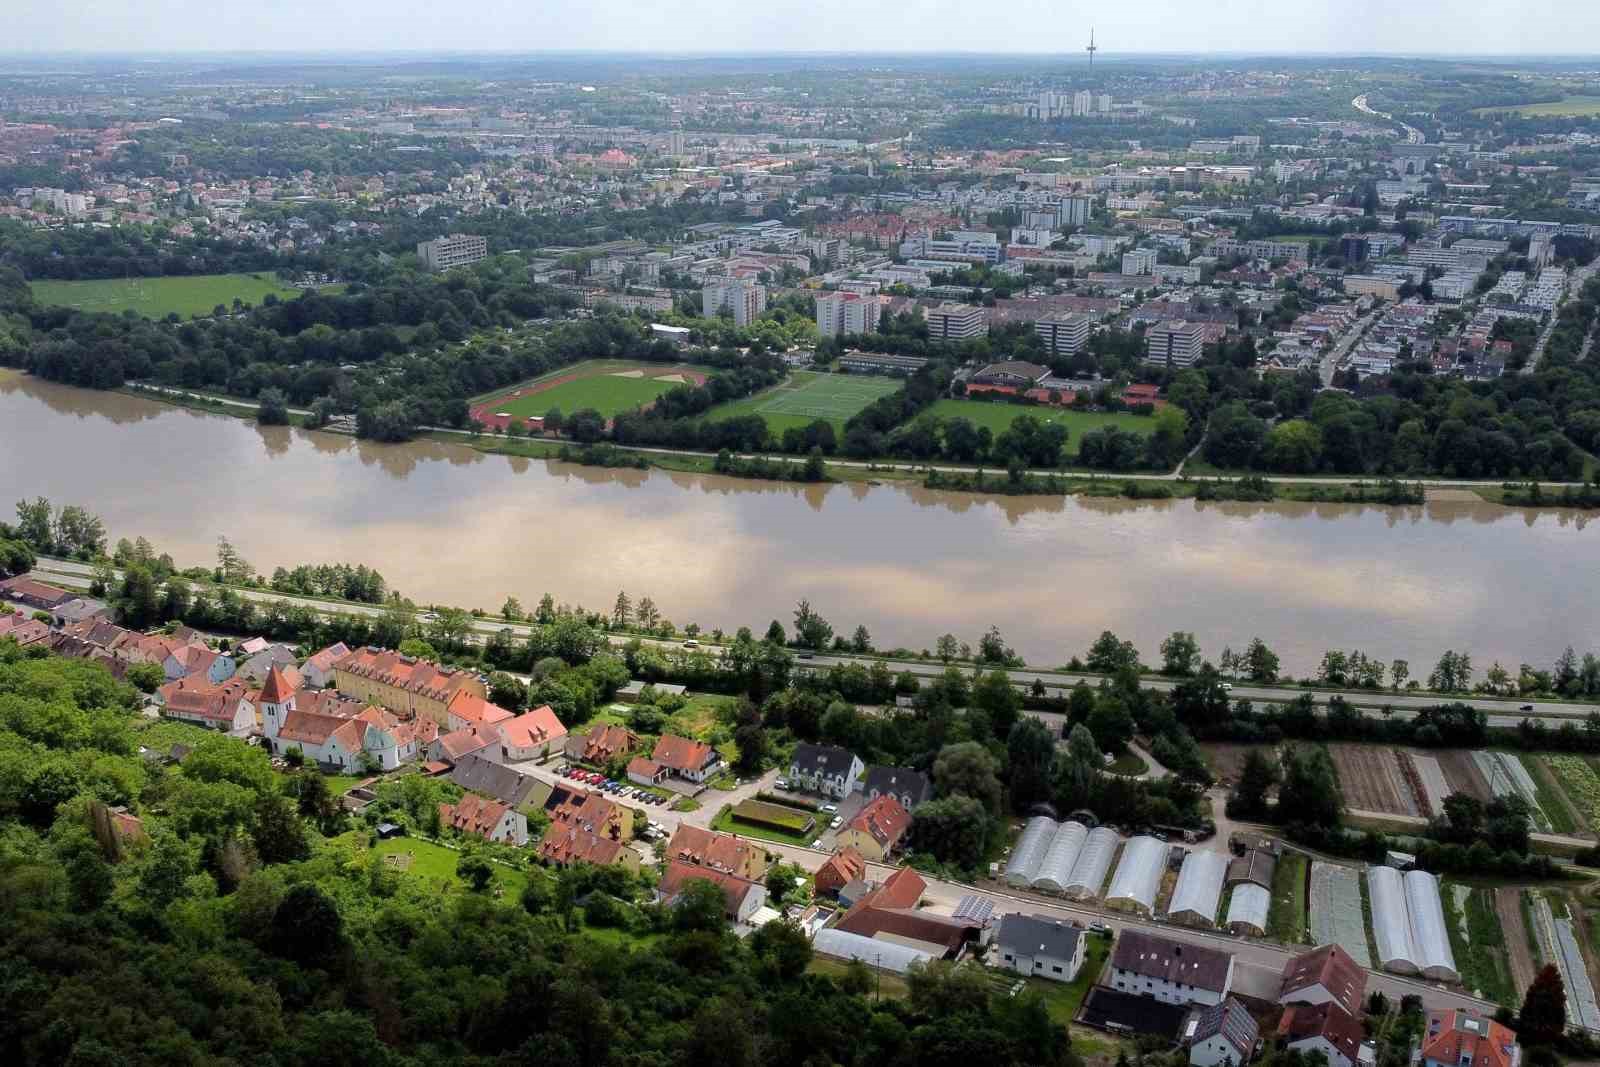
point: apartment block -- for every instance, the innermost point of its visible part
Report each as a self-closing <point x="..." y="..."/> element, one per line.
<point x="1064" y="335"/>
<point x="456" y="250"/>
<point x="1174" y="344"/>
<point x="955" y="322"/>
<point x="846" y="313"/>
<point x="745" y="299"/>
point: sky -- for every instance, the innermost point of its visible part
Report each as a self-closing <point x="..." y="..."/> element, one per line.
<point x="1021" y="26"/>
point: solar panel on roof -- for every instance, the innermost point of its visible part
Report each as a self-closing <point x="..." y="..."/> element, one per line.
<point x="978" y="909"/>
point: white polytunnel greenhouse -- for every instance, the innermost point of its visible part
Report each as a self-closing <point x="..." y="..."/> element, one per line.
<point x="1029" y="852"/>
<point x="1199" y="888"/>
<point x="1138" y="877"/>
<point x="1089" y="873"/>
<point x="884" y="955"/>
<point x="1391" y="921"/>
<point x="1247" y="910"/>
<point x="1428" y="933"/>
<point x="1056" y="868"/>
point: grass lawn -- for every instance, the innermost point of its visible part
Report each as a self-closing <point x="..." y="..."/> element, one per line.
<point x="697" y="718"/>
<point x="1293" y="238"/>
<point x="618" y="937"/>
<point x="1577" y="106"/>
<point x="340" y="784"/>
<point x="1286" y="917"/>
<point x="888" y="985"/>
<point x="439" y="863"/>
<point x="808" y="396"/>
<point x="728" y="824"/>
<point x="998" y="416"/>
<point x="1130" y="764"/>
<point x="157" y="297"/>
<point x="608" y="386"/>
<point x="1065" y="998"/>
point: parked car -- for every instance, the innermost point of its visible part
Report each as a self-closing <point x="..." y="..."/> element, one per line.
<point x="691" y="643"/>
<point x="829" y="808"/>
<point x="781" y="783"/>
<point x="1099" y="928"/>
<point x="838" y="821"/>
<point x="817" y="843"/>
<point x="1526" y="707"/>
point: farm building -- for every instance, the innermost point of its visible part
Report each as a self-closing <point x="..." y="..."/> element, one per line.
<point x="1256" y="866"/>
<point x="1055" y="870"/>
<point x="1199" y="888"/>
<point x="1408" y="922"/>
<point x="1028" y="855"/>
<point x="1089" y="872"/>
<point x="874" y="952"/>
<point x="1138" y="877"/>
<point x="1247" y="909"/>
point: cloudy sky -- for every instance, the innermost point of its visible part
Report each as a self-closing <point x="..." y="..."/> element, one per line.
<point x="1038" y="26"/>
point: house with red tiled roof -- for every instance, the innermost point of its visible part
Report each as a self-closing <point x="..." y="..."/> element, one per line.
<point x="22" y="628"/>
<point x="941" y="936"/>
<point x="334" y="731"/>
<point x="1459" y="1037"/>
<point x="700" y="847"/>
<point x="602" y="744"/>
<point x="453" y="746"/>
<point x="694" y="760"/>
<point x="643" y="771"/>
<point x="531" y="735"/>
<point x="229" y="707"/>
<point x="877" y="829"/>
<point x="568" y="806"/>
<point x="485" y="818"/>
<point x="564" y="845"/>
<point x="839" y="870"/>
<point x="1326" y="1028"/>
<point x="34" y="594"/>
<point x="195" y="658"/>
<point x="318" y="670"/>
<point x="405" y="685"/>
<point x="1324" y="974"/>
<point x="741" y="896"/>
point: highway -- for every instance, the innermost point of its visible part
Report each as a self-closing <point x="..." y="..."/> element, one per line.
<point x="1413" y="135"/>
<point x="1502" y="712"/>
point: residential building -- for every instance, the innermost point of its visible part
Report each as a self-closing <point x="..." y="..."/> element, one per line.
<point x="745" y="300"/>
<point x="29" y="593"/>
<point x="825" y="769"/>
<point x="1139" y="261"/>
<point x="1173" y="972"/>
<point x="562" y="846"/>
<point x="1074" y="210"/>
<point x="591" y="812"/>
<point x="694" y="760"/>
<point x="1458" y="1037"/>
<point x="741" y="896"/>
<point x="332" y="731"/>
<point x="469" y="710"/>
<point x="1371" y="285"/>
<point x="506" y="784"/>
<point x="1174" y="344"/>
<point x="456" y="250"/>
<point x="225" y="706"/>
<point x="318" y="670"/>
<point x="602" y="744"/>
<point x="533" y="735"/>
<point x="1323" y="975"/>
<point x="194" y="658"/>
<point x="1222" y="1035"/>
<point x="839" y="870"/>
<point x="955" y="322"/>
<point x="700" y="847"/>
<point x="1329" y="1029"/>
<point x="879" y="916"/>
<point x="846" y="313"/>
<point x="254" y="668"/>
<point x="907" y="786"/>
<point x="408" y="687"/>
<point x="1064" y="334"/>
<point x="485" y="818"/>
<point x="877" y="829"/>
<point x="1036" y="946"/>
<point x="457" y="745"/>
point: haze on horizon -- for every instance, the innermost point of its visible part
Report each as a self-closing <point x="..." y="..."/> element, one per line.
<point x="1503" y="27"/>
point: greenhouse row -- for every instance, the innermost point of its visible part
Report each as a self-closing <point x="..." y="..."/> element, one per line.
<point x="1066" y="858"/>
<point x="1199" y="890"/>
<point x="1138" y="877"/>
<point x="1247" y="910"/>
<point x="1408" y="924"/>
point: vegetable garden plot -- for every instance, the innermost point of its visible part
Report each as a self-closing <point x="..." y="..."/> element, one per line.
<point x="1507" y="777"/>
<point x="1431" y="776"/>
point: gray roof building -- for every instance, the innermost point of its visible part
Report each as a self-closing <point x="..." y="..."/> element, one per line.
<point x="1035" y="935"/>
<point x="478" y="775"/>
<point x="907" y="786"/>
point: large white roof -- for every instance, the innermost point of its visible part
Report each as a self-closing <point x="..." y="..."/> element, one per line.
<point x="1428" y="934"/>
<point x="1199" y="888"/>
<point x="1249" y="904"/>
<point x="1089" y="873"/>
<point x="1056" y="869"/>
<point x="885" y="955"/>
<point x="1029" y="852"/>
<point x="1391" y="922"/>
<point x="1138" y="877"/>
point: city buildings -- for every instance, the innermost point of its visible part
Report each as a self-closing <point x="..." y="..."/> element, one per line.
<point x="1064" y="334"/>
<point x="846" y="313"/>
<point x="1174" y="344"/>
<point x="456" y="250"/>
<point x="746" y="300"/>
<point x="955" y="322"/>
<point x="1139" y="261"/>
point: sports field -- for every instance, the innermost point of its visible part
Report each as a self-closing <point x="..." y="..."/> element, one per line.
<point x="188" y="295"/>
<point x="608" y="386"/>
<point x="998" y="417"/>
<point x="808" y="396"/>
<point x="1574" y="106"/>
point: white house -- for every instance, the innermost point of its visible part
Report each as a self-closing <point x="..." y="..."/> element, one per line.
<point x="1036" y="946"/>
<point x="1173" y="972"/>
<point x="336" y="732"/>
<point x="226" y="707"/>
<point x="318" y="670"/>
<point x="825" y="769"/>
<point x="532" y="735"/>
<point x="1222" y="1035"/>
<point x="485" y="818"/>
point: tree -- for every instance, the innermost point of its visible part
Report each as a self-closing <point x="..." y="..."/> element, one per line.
<point x="1031" y="757"/>
<point x="146" y="677"/>
<point x="861" y="641"/>
<point x="232" y="568"/>
<point x="1452" y="674"/>
<point x="507" y="691"/>
<point x="954" y="829"/>
<point x="775" y="634"/>
<point x="1082" y="748"/>
<point x="993" y="694"/>
<point x="782" y="947"/>
<point x="1108" y="655"/>
<point x="1180" y="654"/>
<point x="34" y="525"/>
<point x="992" y="648"/>
<point x="751" y="740"/>
<point x="1544" y="1008"/>
<point x="135" y="603"/>
<point x="511" y="610"/>
<point x="476" y="871"/>
<point x="1309" y="792"/>
<point x="810" y="629"/>
<point x="1260" y="662"/>
<point x="947" y="647"/>
<point x="647" y="614"/>
<point x="967" y="769"/>
<point x="1111" y="723"/>
<point x="278" y="834"/>
<point x="306" y="928"/>
<point x="273" y="409"/>
<point x="1256" y="779"/>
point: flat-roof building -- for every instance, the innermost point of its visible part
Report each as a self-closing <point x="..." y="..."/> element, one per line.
<point x="456" y="250"/>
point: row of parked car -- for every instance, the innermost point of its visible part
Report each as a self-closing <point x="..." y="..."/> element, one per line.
<point x="608" y="785"/>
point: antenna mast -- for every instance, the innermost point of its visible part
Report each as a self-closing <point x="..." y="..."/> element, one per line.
<point x="1091" y="49"/>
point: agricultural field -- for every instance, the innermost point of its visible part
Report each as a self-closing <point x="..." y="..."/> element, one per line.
<point x="1226" y="759"/>
<point x="608" y="386"/>
<point x="1508" y="777"/>
<point x="1463" y="775"/>
<point x="1559" y="805"/>
<point x="1558" y="944"/>
<point x="808" y="396"/>
<point x="1511" y="912"/>
<point x="187" y="296"/>
<point x="1580" y="783"/>
<point x="1477" y="942"/>
<point x="1566" y="107"/>
<point x="998" y="416"/>
<point x="1373" y="779"/>
<point x="1430" y="779"/>
<point x="1286" y="916"/>
<point x="1337" y="916"/>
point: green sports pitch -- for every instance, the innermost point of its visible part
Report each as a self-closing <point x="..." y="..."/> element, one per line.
<point x="998" y="416"/>
<point x="187" y="295"/>
<point x="808" y="396"/>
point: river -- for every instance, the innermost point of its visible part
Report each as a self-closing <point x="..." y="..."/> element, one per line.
<point x="445" y="523"/>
